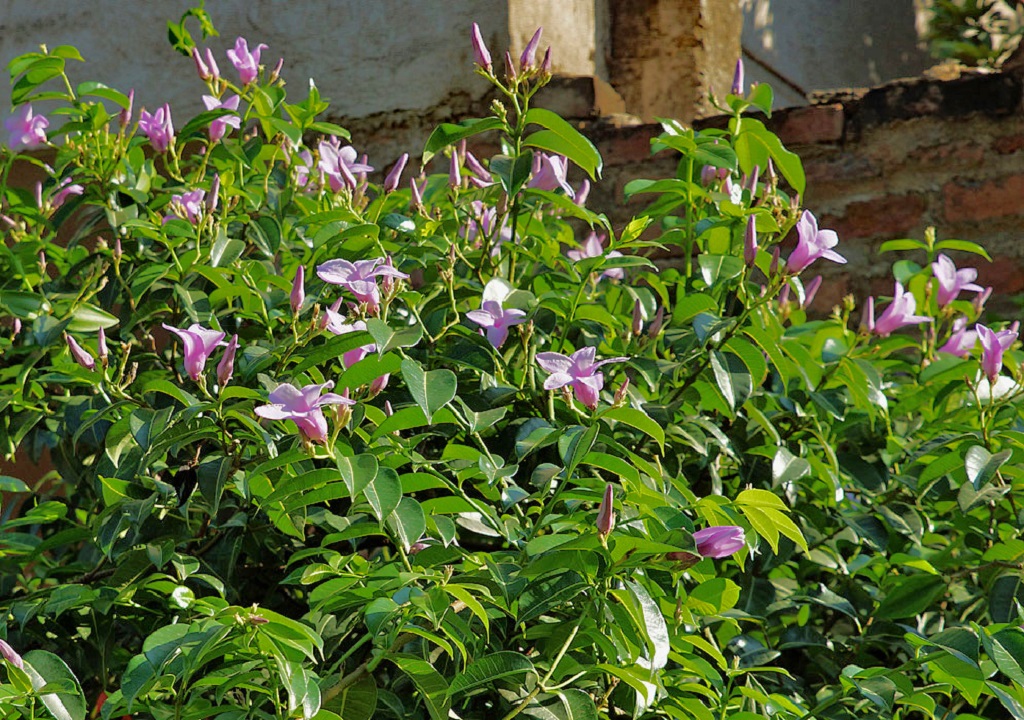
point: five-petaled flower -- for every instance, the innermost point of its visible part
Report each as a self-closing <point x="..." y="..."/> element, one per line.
<point x="719" y="541"/>
<point x="812" y="244"/>
<point x="961" y="340"/>
<point x="246" y="63"/>
<point x="592" y="247"/>
<point x="219" y="126"/>
<point x="340" y="166"/>
<point x="199" y="344"/>
<point x="578" y="370"/>
<point x="492" y="316"/>
<point x="952" y="281"/>
<point x="899" y="313"/>
<point x="188" y="205"/>
<point x="549" y="173"/>
<point x="303" y="406"/>
<point x="158" y="127"/>
<point x="993" y="344"/>
<point x="359" y="278"/>
<point x="27" y="130"/>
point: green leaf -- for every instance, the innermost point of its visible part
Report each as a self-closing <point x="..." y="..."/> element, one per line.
<point x="910" y="596"/>
<point x="98" y="89"/>
<point x="637" y="419"/>
<point x="755" y="144"/>
<point x="37" y="73"/>
<point x="982" y="466"/>
<point x="574" y="443"/>
<point x="654" y="625"/>
<point x="1006" y="648"/>
<point x="563" y="139"/>
<point x="359" y="700"/>
<point x="356" y="472"/>
<point x="577" y="705"/>
<point x="383" y="493"/>
<point x="431" y="390"/>
<point x="447" y="134"/>
<point x="65" y="701"/>
<point x="512" y="173"/>
<point x="302" y="686"/>
<point x="714" y="596"/>
<point x="408" y="522"/>
<point x="487" y="670"/>
<point x="88" y="319"/>
<point x="902" y="244"/>
<point x="718" y="268"/>
<point x="963" y="246"/>
<point x="431" y="686"/>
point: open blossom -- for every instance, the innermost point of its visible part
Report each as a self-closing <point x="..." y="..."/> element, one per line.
<point x="188" y="205"/>
<point x="303" y="406"/>
<point x="578" y="370"/>
<point x="549" y="173"/>
<point x="340" y="166"/>
<point x="336" y="324"/>
<point x="952" y="281"/>
<point x="359" y="278"/>
<point x="899" y="313"/>
<point x="719" y="541"/>
<point x="246" y="63"/>
<point x="158" y="127"/>
<point x="219" y="126"/>
<point x="492" y="316"/>
<point x="27" y="130"/>
<point x="199" y="344"/>
<point x="961" y="341"/>
<point x="993" y="344"/>
<point x="812" y="244"/>
<point x="592" y="247"/>
<point x="483" y="224"/>
<point x="65" y="190"/>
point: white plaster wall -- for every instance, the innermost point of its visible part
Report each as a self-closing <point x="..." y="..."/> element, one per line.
<point x="824" y="44"/>
<point x="569" y="28"/>
<point x="366" y="56"/>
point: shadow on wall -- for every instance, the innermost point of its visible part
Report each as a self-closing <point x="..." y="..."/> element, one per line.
<point x="800" y="46"/>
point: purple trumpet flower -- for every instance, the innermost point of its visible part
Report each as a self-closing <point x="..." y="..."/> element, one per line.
<point x="158" y="127"/>
<point x="899" y="313"/>
<point x="340" y="166"/>
<point x="719" y="541"/>
<point x="80" y="354"/>
<point x="199" y="344"/>
<point x="303" y="407"/>
<point x="961" y="340"/>
<point x="27" y="130"/>
<point x="336" y="324"/>
<point x="492" y="316"/>
<point x="578" y="370"/>
<point x="246" y="63"/>
<point x="812" y="244"/>
<point x="953" y="281"/>
<point x="592" y="247"/>
<point x="993" y="344"/>
<point x="359" y="278"/>
<point x="219" y="126"/>
<point x="188" y="205"/>
<point x="549" y="173"/>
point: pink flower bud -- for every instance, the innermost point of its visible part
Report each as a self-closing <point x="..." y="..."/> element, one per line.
<point x="80" y="354"/>
<point x="201" y="67"/>
<point x="529" y="56"/>
<point x="298" y="294"/>
<point x="773" y="269"/>
<point x="980" y="299"/>
<point x="378" y="384"/>
<point x="510" y="69"/>
<point x="868" y="318"/>
<point x="638" y="319"/>
<point x="454" y="173"/>
<point x="708" y="175"/>
<point x="226" y="366"/>
<point x="214" y="194"/>
<point x="606" y="512"/>
<point x="16" y="328"/>
<point x="659" y="319"/>
<point x="784" y="296"/>
<point x="810" y="290"/>
<point x="752" y="181"/>
<point x="545" y="64"/>
<point x="480" y="51"/>
<point x="388" y="411"/>
<point x="102" y="346"/>
<point x="417" y="193"/>
<point x="395" y="176"/>
<point x="582" y="193"/>
<point x="8" y="654"/>
<point x="620" y="394"/>
<point x="211" y="63"/>
<point x="125" y="116"/>
<point x="750" y="242"/>
<point x="720" y="541"/>
<point x="737" y="78"/>
<point x="118" y="252"/>
<point x="276" y="72"/>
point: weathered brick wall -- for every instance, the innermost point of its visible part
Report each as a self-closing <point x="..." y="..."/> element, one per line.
<point x="882" y="164"/>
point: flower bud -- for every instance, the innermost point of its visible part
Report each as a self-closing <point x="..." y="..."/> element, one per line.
<point x="226" y="366"/>
<point x="480" y="51"/>
<point x="125" y="116"/>
<point x="276" y="72"/>
<point x="620" y="395"/>
<point x="545" y="64"/>
<point x="606" y="512"/>
<point x="298" y="294"/>
<point x="80" y="354"/>
<point x="750" y="242"/>
<point x="417" y="193"/>
<point x="454" y="173"/>
<point x="659" y="319"/>
<point x="784" y="296"/>
<point x="102" y="346"/>
<point x="388" y="410"/>
<point x="395" y="176"/>
<point x="737" y="78"/>
<point x="752" y="181"/>
<point x="510" y="70"/>
<point x="42" y="263"/>
<point x="16" y="328"/>
<point x="529" y="56"/>
<point x="773" y="268"/>
<point x="638" y="319"/>
<point x="118" y="252"/>
<point x="980" y="299"/>
<point x="201" y="67"/>
<point x="214" y="194"/>
<point x="868" y="319"/>
<point x="378" y="384"/>
<point x="582" y="193"/>
<point x="810" y="290"/>
<point x="708" y="175"/>
<point x="8" y="654"/>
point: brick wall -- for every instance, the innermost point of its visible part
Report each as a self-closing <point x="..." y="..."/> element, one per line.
<point x="882" y="164"/>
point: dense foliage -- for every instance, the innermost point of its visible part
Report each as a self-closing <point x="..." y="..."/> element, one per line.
<point x="326" y="447"/>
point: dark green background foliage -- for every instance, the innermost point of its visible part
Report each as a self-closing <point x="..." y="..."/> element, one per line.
<point x="438" y="555"/>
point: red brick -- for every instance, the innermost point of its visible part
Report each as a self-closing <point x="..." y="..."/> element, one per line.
<point x="888" y="215"/>
<point x="957" y="154"/>
<point x="983" y="200"/>
<point x="1008" y="144"/>
<point x="624" y="146"/>
<point x="811" y="125"/>
<point x="1004" y="274"/>
<point x="844" y="168"/>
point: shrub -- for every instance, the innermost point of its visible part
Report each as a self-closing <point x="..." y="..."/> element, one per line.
<point x="331" y="447"/>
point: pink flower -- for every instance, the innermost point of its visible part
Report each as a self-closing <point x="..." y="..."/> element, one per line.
<point x="492" y="316"/>
<point x="246" y="63"/>
<point x="481" y="177"/>
<point x="219" y="126"/>
<point x="303" y="407"/>
<point x="952" y="281"/>
<point x="201" y="67"/>
<point x="27" y="130"/>
<point x="359" y="278"/>
<point x="8" y="654"/>
<point x="80" y="354"/>
<point x="454" y="172"/>
<point x="549" y="173"/>
<point x="592" y="247"/>
<point x="65" y="190"/>
<point x="199" y="344"/>
<point x="812" y="244"/>
<point x="158" y="127"/>
<point x="226" y="366"/>
<point x="340" y="166"/>
<point x="606" y="512"/>
<point x="188" y="205"/>
<point x="480" y="51"/>
<point x="101" y="345"/>
<point x="719" y="541"/>
<point x="578" y="370"/>
<point x="336" y="324"/>
<point x="810" y="290"/>
<point x="395" y="175"/>
<point x="298" y="293"/>
<point x="899" y="313"/>
<point x="483" y="224"/>
<point x="303" y="165"/>
<point x="993" y="344"/>
<point x="961" y="341"/>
